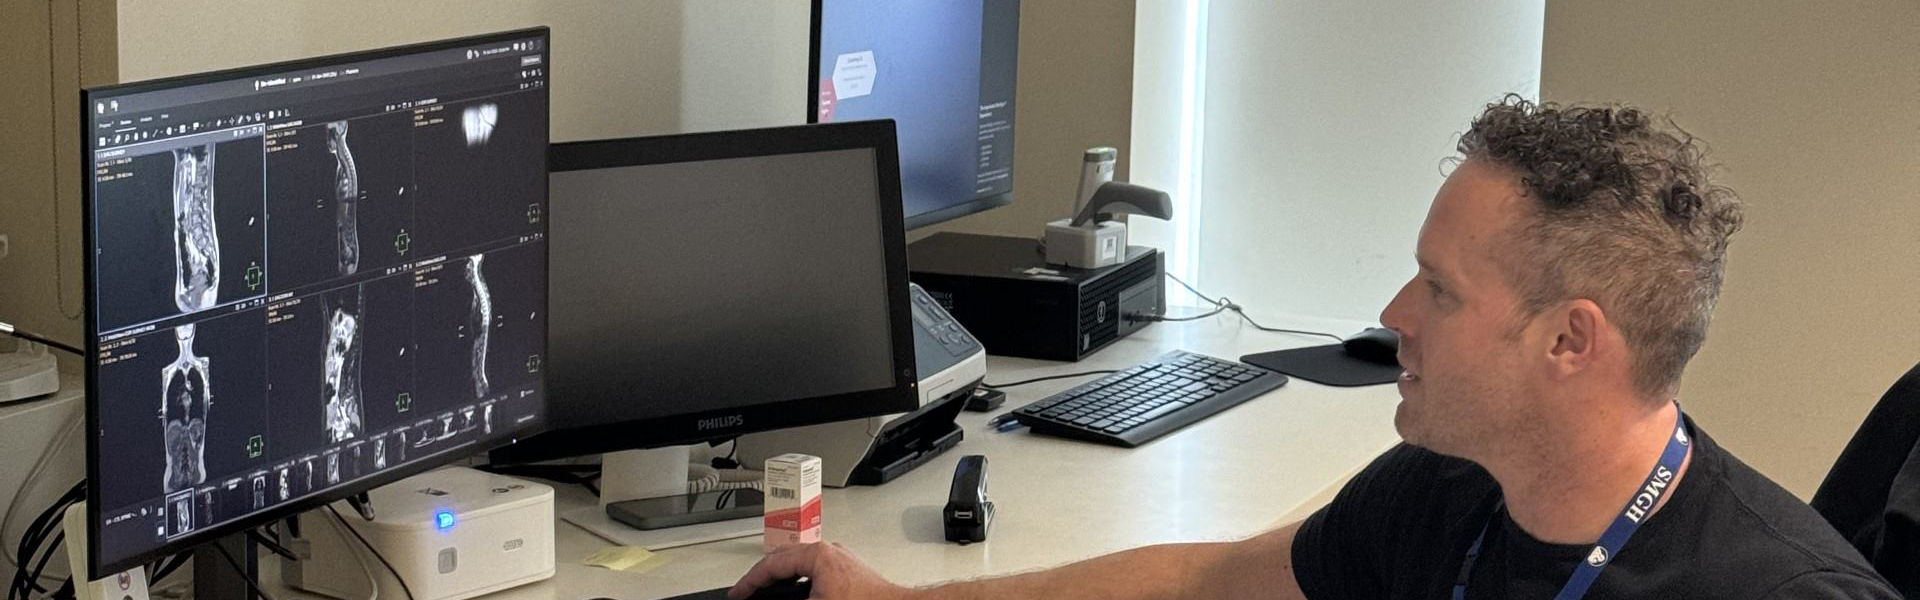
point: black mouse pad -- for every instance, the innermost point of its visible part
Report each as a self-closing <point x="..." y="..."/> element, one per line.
<point x="1326" y="365"/>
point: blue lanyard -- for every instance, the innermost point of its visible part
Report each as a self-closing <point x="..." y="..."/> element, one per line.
<point x="1608" y="548"/>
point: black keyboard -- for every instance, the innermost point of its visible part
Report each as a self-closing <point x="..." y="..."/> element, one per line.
<point x="1135" y="406"/>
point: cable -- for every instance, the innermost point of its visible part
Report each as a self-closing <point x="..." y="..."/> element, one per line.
<point x="376" y="553"/>
<point x="9" y="329"/>
<point x="33" y="475"/>
<point x="1144" y="317"/>
<point x="251" y="585"/>
<point x="1224" y="304"/>
<point x="42" y="538"/>
<point x="1047" y="378"/>
<point x="372" y="582"/>
<point x="167" y="567"/>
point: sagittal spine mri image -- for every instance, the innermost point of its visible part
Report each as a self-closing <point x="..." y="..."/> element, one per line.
<point x="346" y="194"/>
<point x="481" y="320"/>
<point x="187" y="233"/>
<point x="196" y="239"/>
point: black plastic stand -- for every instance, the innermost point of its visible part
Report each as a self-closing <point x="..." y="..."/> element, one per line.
<point x="214" y="577"/>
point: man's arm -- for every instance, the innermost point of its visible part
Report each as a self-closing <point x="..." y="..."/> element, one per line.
<point x="1258" y="567"/>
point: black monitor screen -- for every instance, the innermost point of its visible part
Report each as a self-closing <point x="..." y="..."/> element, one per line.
<point x="701" y="281"/>
<point x="308" y="279"/>
<point x="944" y="70"/>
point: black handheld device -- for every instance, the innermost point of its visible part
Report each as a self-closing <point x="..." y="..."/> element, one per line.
<point x="968" y="511"/>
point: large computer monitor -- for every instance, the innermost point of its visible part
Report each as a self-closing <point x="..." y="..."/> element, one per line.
<point x="715" y="284"/>
<point x="945" y="71"/>
<point x="308" y="279"/>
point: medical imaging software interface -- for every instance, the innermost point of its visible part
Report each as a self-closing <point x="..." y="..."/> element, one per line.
<point x="306" y="278"/>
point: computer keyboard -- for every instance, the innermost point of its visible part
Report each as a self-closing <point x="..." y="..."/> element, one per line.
<point x="1137" y="405"/>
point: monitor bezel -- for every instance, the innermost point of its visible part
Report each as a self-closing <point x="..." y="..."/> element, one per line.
<point x="92" y="333"/>
<point x="925" y="219"/>
<point x="901" y="396"/>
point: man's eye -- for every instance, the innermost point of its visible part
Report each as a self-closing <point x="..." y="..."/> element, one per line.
<point x="1435" y="288"/>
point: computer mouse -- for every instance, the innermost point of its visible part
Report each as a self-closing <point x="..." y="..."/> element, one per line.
<point x="1377" y="345"/>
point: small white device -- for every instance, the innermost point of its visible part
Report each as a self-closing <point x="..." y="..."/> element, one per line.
<point x="453" y="533"/>
<point x="1096" y="236"/>
<point x="130" y="584"/>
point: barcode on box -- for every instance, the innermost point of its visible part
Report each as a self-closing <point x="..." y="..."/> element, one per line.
<point x="782" y="493"/>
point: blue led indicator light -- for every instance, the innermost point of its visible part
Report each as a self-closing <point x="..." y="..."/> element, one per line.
<point x="443" y="519"/>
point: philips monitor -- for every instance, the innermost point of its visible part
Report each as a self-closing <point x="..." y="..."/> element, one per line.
<point x="715" y="284"/>
<point x="308" y="279"/>
<point x="944" y="70"/>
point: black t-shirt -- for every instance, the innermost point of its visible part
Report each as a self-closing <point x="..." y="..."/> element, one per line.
<point x="1401" y="529"/>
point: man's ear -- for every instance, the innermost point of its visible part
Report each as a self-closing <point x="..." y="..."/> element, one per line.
<point x="1579" y="328"/>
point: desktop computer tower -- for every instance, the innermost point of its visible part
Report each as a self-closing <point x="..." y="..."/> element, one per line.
<point x="1004" y="292"/>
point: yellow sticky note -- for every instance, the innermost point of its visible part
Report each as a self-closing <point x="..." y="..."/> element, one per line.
<point x="631" y="559"/>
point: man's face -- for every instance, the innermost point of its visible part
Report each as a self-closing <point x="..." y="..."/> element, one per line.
<point x="1465" y="386"/>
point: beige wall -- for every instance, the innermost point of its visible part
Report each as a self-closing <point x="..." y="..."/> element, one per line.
<point x="616" y="64"/>
<point x="1814" y="109"/>
<point x="1075" y="91"/>
<point x="39" y="165"/>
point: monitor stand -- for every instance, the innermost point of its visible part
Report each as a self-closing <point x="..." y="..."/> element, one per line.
<point x="214" y="577"/>
<point x="644" y="501"/>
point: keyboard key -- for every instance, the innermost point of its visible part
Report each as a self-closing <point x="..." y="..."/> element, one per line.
<point x="1158" y="412"/>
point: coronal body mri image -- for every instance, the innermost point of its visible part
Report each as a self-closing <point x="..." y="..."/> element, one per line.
<point x="183" y="414"/>
<point x="196" y="242"/>
<point x="480" y="321"/>
<point x="346" y="196"/>
<point x="341" y="379"/>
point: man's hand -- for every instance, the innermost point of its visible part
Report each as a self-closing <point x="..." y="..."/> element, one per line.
<point x="834" y="573"/>
<point x="1259" y="567"/>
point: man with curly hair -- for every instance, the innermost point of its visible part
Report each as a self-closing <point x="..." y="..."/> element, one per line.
<point x="1568" y="268"/>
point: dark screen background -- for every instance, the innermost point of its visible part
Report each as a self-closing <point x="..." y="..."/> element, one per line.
<point x="698" y="286"/>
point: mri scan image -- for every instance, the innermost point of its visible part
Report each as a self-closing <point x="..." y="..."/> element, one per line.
<point x="479" y="323"/>
<point x="341" y="379"/>
<point x="183" y="414"/>
<point x="196" y="242"/>
<point x="478" y="121"/>
<point x="181" y="505"/>
<point x="346" y="196"/>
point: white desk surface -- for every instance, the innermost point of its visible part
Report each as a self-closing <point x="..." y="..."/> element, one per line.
<point x="1058" y="500"/>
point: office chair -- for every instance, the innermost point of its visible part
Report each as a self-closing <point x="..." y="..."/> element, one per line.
<point x="1872" y="494"/>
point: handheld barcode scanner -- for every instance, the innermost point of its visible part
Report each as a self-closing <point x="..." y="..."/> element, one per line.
<point x="968" y="511"/>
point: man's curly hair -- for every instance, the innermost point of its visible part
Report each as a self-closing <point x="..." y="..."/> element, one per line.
<point x="1622" y="214"/>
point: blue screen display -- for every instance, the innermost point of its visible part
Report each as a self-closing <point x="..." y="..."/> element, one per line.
<point x="944" y="72"/>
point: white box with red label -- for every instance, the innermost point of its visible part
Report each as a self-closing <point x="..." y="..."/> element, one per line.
<point x="793" y="500"/>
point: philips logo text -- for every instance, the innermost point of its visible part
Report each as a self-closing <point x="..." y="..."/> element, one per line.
<point x="720" y="422"/>
<point x="1649" y="495"/>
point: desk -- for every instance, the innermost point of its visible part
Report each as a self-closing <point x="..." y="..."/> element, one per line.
<point x="1058" y="500"/>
